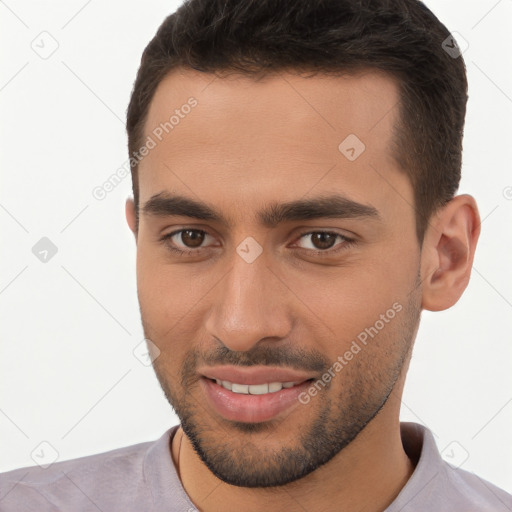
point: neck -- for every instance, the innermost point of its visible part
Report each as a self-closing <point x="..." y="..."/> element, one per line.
<point x="366" y="475"/>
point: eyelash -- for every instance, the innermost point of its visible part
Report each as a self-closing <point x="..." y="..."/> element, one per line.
<point x="346" y="243"/>
<point x="181" y="252"/>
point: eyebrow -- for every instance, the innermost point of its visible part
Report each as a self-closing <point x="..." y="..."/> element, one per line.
<point x="164" y="205"/>
<point x="334" y="206"/>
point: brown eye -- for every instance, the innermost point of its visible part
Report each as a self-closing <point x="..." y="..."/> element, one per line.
<point x="192" y="237"/>
<point x="187" y="240"/>
<point x="322" y="240"/>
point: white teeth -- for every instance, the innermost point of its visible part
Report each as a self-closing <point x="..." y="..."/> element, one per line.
<point x="240" y="388"/>
<point x="254" y="389"/>
<point x="259" y="389"/>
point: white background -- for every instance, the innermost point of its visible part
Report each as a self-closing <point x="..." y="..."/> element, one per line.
<point x="68" y="374"/>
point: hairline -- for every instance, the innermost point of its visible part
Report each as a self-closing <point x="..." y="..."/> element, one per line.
<point x="398" y="131"/>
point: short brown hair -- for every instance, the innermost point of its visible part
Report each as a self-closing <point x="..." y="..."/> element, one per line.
<point x="400" y="37"/>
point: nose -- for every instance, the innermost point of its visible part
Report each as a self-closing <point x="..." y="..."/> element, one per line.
<point x="249" y="305"/>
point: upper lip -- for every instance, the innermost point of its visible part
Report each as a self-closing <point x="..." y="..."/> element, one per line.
<point x="254" y="375"/>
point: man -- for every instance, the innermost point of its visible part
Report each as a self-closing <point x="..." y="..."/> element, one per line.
<point x="294" y="169"/>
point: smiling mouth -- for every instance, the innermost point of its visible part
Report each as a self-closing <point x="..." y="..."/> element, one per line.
<point x="256" y="389"/>
<point x="252" y="403"/>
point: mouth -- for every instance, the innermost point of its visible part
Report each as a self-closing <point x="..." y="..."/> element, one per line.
<point x="254" y="375"/>
<point x="252" y="403"/>
<point x="256" y="389"/>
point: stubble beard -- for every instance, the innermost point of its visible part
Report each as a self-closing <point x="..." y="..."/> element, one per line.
<point x="228" y="448"/>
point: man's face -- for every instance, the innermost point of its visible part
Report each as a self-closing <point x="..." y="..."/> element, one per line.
<point x="265" y="284"/>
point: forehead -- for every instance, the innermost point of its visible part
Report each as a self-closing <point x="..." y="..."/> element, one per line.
<point x="282" y="136"/>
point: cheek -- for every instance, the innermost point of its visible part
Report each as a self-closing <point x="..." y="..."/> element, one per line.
<point x="164" y="292"/>
<point x="345" y="302"/>
<point x="172" y="301"/>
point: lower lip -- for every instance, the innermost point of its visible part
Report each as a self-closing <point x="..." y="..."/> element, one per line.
<point x="251" y="408"/>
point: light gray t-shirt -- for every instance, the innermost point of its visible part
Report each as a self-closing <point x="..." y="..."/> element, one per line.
<point x="143" y="478"/>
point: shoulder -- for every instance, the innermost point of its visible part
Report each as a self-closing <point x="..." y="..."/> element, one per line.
<point x="437" y="485"/>
<point x="124" y="457"/>
<point x="468" y="491"/>
<point x="111" y="478"/>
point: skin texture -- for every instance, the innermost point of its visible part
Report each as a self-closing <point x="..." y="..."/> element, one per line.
<point x="249" y="144"/>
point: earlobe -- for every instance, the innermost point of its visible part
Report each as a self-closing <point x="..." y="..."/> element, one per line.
<point x="448" y="252"/>
<point x="131" y="218"/>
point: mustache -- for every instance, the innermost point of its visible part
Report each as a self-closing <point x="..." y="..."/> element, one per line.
<point x="266" y="355"/>
<point x="270" y="356"/>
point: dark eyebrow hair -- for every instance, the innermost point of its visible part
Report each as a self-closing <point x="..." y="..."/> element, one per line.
<point x="164" y="204"/>
<point x="332" y="206"/>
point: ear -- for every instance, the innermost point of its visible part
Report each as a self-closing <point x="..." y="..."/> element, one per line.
<point x="447" y="252"/>
<point x="131" y="217"/>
